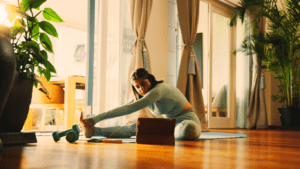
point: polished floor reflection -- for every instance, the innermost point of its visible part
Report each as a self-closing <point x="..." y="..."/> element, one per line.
<point x="261" y="149"/>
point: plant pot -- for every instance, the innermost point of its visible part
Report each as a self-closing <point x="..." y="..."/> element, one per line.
<point x="17" y="105"/>
<point x="290" y="117"/>
<point x="7" y="66"/>
<point x="15" y="91"/>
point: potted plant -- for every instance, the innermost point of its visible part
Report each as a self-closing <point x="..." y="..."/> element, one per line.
<point x="278" y="48"/>
<point x="30" y="42"/>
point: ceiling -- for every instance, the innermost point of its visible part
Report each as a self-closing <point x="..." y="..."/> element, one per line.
<point x="74" y="12"/>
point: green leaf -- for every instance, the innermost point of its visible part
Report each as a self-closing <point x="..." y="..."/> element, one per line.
<point x="49" y="67"/>
<point x="22" y="14"/>
<point x="36" y="36"/>
<point x="24" y="5"/>
<point x="42" y="90"/>
<point x="35" y="82"/>
<point x="33" y="46"/>
<point x="51" y="15"/>
<point x="19" y="22"/>
<point x="35" y="49"/>
<point x="39" y="58"/>
<point x="46" y="43"/>
<point x="44" y="54"/>
<point x="40" y="70"/>
<point x="16" y="30"/>
<point x="48" y="28"/>
<point x="47" y="74"/>
<point x="35" y="29"/>
<point x="36" y="3"/>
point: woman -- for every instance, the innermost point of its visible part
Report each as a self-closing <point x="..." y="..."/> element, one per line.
<point x="161" y="98"/>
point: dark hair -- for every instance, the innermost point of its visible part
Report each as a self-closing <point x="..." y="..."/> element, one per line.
<point x="142" y="73"/>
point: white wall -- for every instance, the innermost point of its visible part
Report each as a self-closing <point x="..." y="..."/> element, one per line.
<point x="64" y="50"/>
<point x="157" y="39"/>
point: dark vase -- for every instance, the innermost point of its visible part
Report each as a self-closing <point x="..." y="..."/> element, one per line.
<point x="15" y="91"/>
<point x="290" y="117"/>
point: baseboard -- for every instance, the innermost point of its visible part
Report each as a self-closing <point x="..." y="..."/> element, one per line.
<point x="283" y="128"/>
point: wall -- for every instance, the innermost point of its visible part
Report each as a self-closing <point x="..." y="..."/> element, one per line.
<point x="271" y="89"/>
<point x="157" y="39"/>
<point x="65" y="47"/>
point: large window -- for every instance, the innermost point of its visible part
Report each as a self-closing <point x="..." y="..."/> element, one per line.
<point x="120" y="39"/>
<point x="243" y="74"/>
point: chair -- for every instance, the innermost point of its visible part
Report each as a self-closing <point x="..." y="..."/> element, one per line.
<point x="53" y="101"/>
<point x="220" y="101"/>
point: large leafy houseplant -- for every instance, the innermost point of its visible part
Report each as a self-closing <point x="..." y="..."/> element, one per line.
<point x="30" y="38"/>
<point x="23" y="50"/>
<point x="278" y="46"/>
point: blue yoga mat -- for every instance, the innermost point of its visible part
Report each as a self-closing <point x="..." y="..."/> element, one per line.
<point x="203" y="136"/>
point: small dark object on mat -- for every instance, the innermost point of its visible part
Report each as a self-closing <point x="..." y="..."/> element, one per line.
<point x="124" y="140"/>
<point x="17" y="138"/>
<point x="96" y="140"/>
<point x="155" y="131"/>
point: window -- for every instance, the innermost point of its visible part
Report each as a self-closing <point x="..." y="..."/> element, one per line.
<point x="120" y="39"/>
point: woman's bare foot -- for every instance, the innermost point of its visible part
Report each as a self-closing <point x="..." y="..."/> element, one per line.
<point x="87" y="126"/>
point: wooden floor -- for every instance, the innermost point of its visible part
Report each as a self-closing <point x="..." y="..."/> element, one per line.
<point x="261" y="149"/>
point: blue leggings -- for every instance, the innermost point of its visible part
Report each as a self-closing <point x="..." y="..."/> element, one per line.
<point x="187" y="128"/>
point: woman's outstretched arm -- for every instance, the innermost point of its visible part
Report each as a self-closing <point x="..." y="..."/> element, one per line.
<point x="151" y="97"/>
<point x="89" y="122"/>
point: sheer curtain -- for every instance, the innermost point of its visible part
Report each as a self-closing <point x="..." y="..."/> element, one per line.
<point x="114" y="56"/>
<point x="243" y="74"/>
<point x="140" y="11"/>
<point x="189" y="81"/>
<point x="257" y="114"/>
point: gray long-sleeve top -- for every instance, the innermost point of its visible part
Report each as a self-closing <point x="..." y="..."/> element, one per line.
<point x="164" y="99"/>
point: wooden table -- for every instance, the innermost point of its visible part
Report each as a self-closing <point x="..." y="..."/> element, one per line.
<point x="70" y="83"/>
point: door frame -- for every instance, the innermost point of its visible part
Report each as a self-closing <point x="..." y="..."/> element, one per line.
<point x="230" y="120"/>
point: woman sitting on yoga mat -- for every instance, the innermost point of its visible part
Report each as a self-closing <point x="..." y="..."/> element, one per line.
<point x="161" y="98"/>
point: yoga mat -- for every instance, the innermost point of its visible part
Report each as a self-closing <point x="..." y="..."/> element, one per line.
<point x="203" y="136"/>
<point x="93" y="139"/>
<point x="124" y="140"/>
